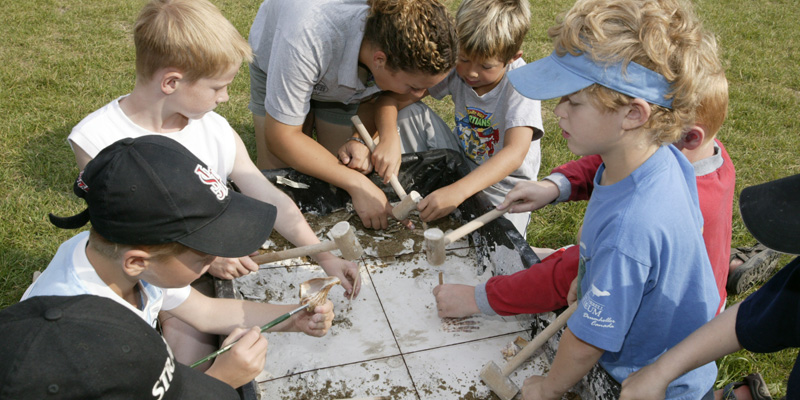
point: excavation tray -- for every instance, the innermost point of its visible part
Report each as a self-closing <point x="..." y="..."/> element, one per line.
<point x="389" y="341"/>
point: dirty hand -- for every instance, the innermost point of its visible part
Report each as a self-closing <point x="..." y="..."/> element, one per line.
<point x="346" y="271"/>
<point x="315" y="323"/>
<point x="531" y="195"/>
<point x="439" y="204"/>
<point x="572" y="295"/>
<point x="533" y="389"/>
<point x="244" y="361"/>
<point x="371" y="206"/>
<point x="230" y="268"/>
<point x="455" y="301"/>
<point x="644" y="384"/>
<point x="386" y="157"/>
<point x="355" y="156"/>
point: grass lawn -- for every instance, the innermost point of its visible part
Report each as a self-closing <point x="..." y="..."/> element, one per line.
<point x="64" y="59"/>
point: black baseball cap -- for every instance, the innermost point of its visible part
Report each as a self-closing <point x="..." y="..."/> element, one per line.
<point x="771" y="212"/>
<point x="90" y="347"/>
<point x="152" y="190"/>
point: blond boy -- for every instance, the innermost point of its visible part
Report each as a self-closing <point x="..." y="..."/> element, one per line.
<point x="628" y="74"/>
<point x="496" y="128"/>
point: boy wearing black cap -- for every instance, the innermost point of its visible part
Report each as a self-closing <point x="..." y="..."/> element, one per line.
<point x="766" y="321"/>
<point x="159" y="218"/>
<point x="89" y="347"/>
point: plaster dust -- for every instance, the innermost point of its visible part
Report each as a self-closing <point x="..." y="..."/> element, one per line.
<point x="389" y="340"/>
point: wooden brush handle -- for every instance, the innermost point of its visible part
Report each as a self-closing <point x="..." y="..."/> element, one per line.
<point x="473" y="225"/>
<point x="295" y="252"/>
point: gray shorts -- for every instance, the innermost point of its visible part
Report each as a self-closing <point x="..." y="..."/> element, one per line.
<point x="330" y="112"/>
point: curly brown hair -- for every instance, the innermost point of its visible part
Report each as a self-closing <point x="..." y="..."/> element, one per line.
<point x="415" y="35"/>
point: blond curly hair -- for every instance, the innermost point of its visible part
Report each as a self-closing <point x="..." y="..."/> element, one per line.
<point x="415" y="35"/>
<point x="190" y="35"/>
<point x="663" y="35"/>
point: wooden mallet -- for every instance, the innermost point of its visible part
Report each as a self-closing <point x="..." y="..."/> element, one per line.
<point x="498" y="380"/>
<point x="408" y="202"/>
<point x="344" y="239"/>
<point x="436" y="240"/>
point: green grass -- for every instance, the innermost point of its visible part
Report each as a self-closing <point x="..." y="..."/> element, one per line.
<point x="64" y="59"/>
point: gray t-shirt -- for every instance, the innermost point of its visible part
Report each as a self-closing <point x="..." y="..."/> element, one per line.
<point x="315" y="44"/>
<point x="481" y="123"/>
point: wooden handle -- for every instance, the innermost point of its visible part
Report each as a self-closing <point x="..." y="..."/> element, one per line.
<point x="539" y="340"/>
<point x="473" y="225"/>
<point x="295" y="252"/>
<point x="362" y="131"/>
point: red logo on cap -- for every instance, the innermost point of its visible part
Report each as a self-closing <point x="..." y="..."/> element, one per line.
<point x="210" y="178"/>
<point x="81" y="184"/>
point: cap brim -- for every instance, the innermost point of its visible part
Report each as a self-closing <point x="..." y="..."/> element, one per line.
<point x="546" y="79"/>
<point x="771" y="212"/>
<point x="238" y="231"/>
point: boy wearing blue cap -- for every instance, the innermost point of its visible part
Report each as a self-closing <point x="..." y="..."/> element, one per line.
<point x="628" y="74"/>
<point x="159" y="218"/>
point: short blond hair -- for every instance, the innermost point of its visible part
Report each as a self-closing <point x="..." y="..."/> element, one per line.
<point x="492" y="28"/>
<point x="114" y="251"/>
<point x="662" y="35"/>
<point x="190" y="35"/>
<point x="713" y="108"/>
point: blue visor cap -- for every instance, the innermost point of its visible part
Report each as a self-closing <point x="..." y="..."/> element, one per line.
<point x="555" y="76"/>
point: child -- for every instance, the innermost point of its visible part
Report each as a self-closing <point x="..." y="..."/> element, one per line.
<point x="628" y="74"/>
<point x="765" y="322"/>
<point x="187" y="54"/>
<point x="496" y="128"/>
<point x="91" y="347"/>
<point x="316" y="60"/>
<point x="159" y="218"/>
<point x="544" y="286"/>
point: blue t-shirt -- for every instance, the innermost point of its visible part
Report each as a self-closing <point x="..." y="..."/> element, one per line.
<point x="646" y="279"/>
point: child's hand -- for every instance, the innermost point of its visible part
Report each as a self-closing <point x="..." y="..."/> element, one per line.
<point x="532" y="195"/>
<point x="355" y="156"/>
<point x="386" y="157"/>
<point x="644" y="384"/>
<point x="455" y="301"/>
<point x="572" y="295"/>
<point x="244" y="361"/>
<point x="316" y="323"/>
<point x="231" y="268"/>
<point x="346" y="271"/>
<point x="371" y="206"/>
<point x="439" y="204"/>
<point x="533" y="389"/>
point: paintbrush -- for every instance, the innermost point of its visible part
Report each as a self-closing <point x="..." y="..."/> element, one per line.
<point x="313" y="292"/>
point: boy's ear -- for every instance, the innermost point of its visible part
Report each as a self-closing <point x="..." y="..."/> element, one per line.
<point x="638" y="114"/>
<point x="135" y="261"/>
<point x="692" y="139"/>
<point x="170" y="80"/>
<point x="516" y="57"/>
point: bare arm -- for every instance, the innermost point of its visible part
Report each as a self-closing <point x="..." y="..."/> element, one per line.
<point x="222" y="316"/>
<point x="574" y="359"/>
<point x="444" y="200"/>
<point x="708" y="343"/>
<point x="290" y="222"/>
<point x="304" y="154"/>
<point x="81" y="157"/>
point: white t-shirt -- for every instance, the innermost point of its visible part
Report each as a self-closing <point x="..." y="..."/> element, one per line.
<point x="481" y="123"/>
<point x="210" y="138"/>
<point x="71" y="274"/>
